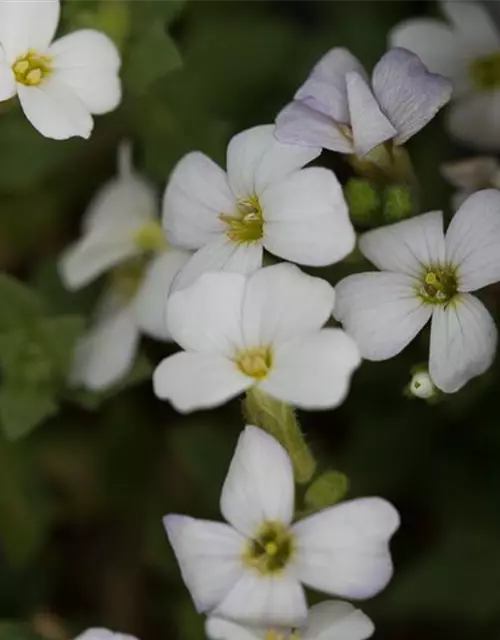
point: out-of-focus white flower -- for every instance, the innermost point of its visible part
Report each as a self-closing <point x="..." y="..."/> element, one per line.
<point x="265" y="331"/>
<point x="121" y="233"/>
<point x="471" y="175"/>
<point x="339" y="109"/>
<point x="252" y="569"/>
<point x="330" y="620"/>
<point x="421" y="385"/>
<point x="425" y="275"/>
<point x="59" y="84"/>
<point x="100" y="633"/>
<point x="467" y="49"/>
<point x="266" y="200"/>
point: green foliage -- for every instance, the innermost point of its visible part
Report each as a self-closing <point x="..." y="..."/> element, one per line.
<point x="17" y="631"/>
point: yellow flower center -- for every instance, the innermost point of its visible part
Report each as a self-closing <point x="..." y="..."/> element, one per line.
<point x="127" y="278"/>
<point x="274" y="634"/>
<point x="439" y="286"/>
<point x="485" y="72"/>
<point x="32" y="68"/>
<point x="256" y="362"/>
<point x="270" y="550"/>
<point x="151" y="237"/>
<point x="247" y="224"/>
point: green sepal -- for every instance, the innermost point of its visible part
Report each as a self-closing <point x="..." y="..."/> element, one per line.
<point x="326" y="490"/>
<point x="364" y="201"/>
<point x="399" y="203"/>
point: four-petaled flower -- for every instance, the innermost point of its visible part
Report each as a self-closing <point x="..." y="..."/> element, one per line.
<point x="252" y="569"/>
<point x="337" y="109"/>
<point x="121" y="233"/>
<point x="468" y="51"/>
<point x="265" y="330"/>
<point x="266" y="200"/>
<point x="330" y="620"/>
<point x="429" y="275"/>
<point x="59" y="84"/>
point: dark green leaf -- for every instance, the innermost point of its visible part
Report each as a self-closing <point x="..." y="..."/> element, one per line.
<point x="24" y="408"/>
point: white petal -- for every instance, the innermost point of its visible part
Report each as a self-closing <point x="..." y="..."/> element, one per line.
<point x="473" y="241"/>
<point x="300" y="124"/>
<point x="408" y="94"/>
<point x="325" y="89"/>
<point x="54" y="110"/>
<point x="208" y="554"/>
<point x="281" y="303"/>
<point x="337" y="620"/>
<point x="94" y="254"/>
<point x="207" y="316"/>
<point x="463" y="342"/>
<point x="259" y="486"/>
<point x="409" y="247"/>
<point x="314" y="372"/>
<point x="7" y="81"/>
<point x="381" y="311"/>
<point x="344" y="549"/>
<point x="256" y="159"/>
<point x="306" y="218"/>
<point x="473" y="26"/>
<point x="220" y="254"/>
<point x="437" y="46"/>
<point x="27" y="24"/>
<point x="87" y="61"/>
<point x="265" y="601"/>
<point x="106" y="353"/>
<point x="192" y="381"/>
<point x="197" y="193"/>
<point x="369" y="125"/>
<point x="150" y="303"/>
<point x="475" y="120"/>
<point x="471" y="174"/>
<point x="220" y="629"/>
<point x="99" y="633"/>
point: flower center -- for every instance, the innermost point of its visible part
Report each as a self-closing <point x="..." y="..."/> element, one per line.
<point x="271" y="549"/>
<point x="485" y="72"/>
<point x="255" y="362"/>
<point x="32" y="68"/>
<point x="247" y="224"/>
<point x="127" y="278"/>
<point x="439" y="286"/>
<point x="274" y="634"/>
<point x="151" y="237"/>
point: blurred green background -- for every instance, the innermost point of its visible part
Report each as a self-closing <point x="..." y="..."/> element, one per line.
<point x="82" y="495"/>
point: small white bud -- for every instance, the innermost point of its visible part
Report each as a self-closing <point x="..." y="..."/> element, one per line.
<point x="421" y="385"/>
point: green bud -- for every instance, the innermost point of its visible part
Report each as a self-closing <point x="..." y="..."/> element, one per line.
<point x="328" y="489"/>
<point x="363" y="200"/>
<point x="399" y="203"/>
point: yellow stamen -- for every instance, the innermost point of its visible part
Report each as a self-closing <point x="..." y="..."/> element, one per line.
<point x="246" y="225"/>
<point x="151" y="237"/>
<point x="255" y="362"/>
<point x="32" y="68"/>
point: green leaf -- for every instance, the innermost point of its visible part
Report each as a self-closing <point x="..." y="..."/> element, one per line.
<point x="20" y="305"/>
<point x="17" y="631"/>
<point x="58" y="336"/>
<point x="24" y="408"/>
<point x="152" y="56"/>
<point x="328" y="489"/>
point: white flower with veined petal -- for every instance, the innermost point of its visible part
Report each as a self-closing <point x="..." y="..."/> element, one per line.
<point x="330" y="620"/>
<point x="121" y="233"/>
<point x="467" y="49"/>
<point x="470" y="175"/>
<point x="339" y="108"/>
<point x="265" y="331"/>
<point x="429" y="275"/>
<point x="252" y="569"/>
<point x="100" y="633"/>
<point x="59" y="84"/>
<point x="266" y="200"/>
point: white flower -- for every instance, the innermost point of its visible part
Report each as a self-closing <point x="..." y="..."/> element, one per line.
<point x="263" y="330"/>
<point x="59" y="84"/>
<point x="467" y="49"/>
<point x="421" y="385"/>
<point x="252" y="569"/>
<point x="264" y="201"/>
<point x="330" y="620"/>
<point x="121" y="232"/>
<point x="470" y="175"/>
<point x="429" y="275"/>
<point x="338" y="108"/>
<point x="100" y="633"/>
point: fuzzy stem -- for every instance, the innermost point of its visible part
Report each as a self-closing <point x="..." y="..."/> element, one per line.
<point x="280" y="421"/>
